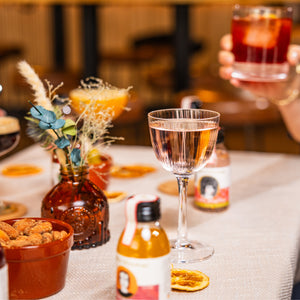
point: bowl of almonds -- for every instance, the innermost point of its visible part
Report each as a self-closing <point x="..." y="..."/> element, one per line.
<point x="37" y="252"/>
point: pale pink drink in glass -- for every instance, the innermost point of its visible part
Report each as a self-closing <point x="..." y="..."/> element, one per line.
<point x="182" y="147"/>
<point x="183" y="141"/>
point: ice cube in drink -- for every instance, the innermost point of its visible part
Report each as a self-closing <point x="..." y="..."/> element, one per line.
<point x="263" y="32"/>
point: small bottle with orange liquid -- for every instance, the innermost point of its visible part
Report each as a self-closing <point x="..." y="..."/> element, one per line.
<point x="143" y="252"/>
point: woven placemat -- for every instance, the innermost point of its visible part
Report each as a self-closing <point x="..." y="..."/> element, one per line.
<point x="12" y="210"/>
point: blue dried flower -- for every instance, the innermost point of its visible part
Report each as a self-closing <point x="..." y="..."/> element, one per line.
<point x="62" y="142"/>
<point x="44" y="125"/>
<point x="47" y="118"/>
<point x="75" y="156"/>
<point x="58" y="124"/>
<point x="40" y="113"/>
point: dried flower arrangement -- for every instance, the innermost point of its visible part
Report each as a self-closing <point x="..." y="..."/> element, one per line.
<point x="72" y="139"/>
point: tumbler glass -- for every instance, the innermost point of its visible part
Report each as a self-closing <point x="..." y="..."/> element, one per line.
<point x="261" y="37"/>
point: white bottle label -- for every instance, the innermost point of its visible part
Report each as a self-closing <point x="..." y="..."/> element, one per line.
<point x="4" y="283"/>
<point x="143" y="278"/>
<point x="212" y="187"/>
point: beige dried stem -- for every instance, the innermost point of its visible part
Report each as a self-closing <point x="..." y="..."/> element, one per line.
<point x="40" y="95"/>
<point x="40" y="98"/>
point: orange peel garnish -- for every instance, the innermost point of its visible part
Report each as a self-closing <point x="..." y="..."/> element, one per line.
<point x="20" y="170"/>
<point x="131" y="171"/>
<point x="188" y="280"/>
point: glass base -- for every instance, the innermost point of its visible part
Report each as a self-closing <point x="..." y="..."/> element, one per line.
<point x="190" y="251"/>
<point x="260" y="72"/>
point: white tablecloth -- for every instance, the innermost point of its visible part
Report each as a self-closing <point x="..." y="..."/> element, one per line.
<point x="256" y="240"/>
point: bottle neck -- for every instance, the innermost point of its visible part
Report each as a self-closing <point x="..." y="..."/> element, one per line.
<point x="220" y="146"/>
<point x="150" y="224"/>
<point x="75" y="174"/>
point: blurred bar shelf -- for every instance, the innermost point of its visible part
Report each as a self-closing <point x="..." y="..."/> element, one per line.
<point x="90" y="34"/>
<point x="142" y="2"/>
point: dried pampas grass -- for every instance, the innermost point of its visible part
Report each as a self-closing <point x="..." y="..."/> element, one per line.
<point x="40" y="95"/>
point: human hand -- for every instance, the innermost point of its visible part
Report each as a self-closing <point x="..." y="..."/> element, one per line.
<point x="2" y="112"/>
<point x="269" y="90"/>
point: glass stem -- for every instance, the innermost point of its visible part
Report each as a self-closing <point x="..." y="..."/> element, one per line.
<point x="182" y="182"/>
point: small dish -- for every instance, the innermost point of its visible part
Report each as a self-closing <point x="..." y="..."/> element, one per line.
<point x="39" y="271"/>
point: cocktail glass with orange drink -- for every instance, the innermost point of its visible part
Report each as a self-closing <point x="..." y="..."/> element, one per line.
<point x="261" y="36"/>
<point x="102" y="98"/>
<point x="105" y="103"/>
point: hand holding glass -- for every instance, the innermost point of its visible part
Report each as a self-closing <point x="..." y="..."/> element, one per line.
<point x="183" y="140"/>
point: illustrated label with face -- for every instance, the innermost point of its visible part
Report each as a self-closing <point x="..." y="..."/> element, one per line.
<point x="212" y="188"/>
<point x="142" y="278"/>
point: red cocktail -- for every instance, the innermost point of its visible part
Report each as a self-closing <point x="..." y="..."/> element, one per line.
<point x="261" y="36"/>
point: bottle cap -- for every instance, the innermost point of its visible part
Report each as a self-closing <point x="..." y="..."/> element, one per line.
<point x="148" y="211"/>
<point x="191" y="102"/>
<point x="139" y="208"/>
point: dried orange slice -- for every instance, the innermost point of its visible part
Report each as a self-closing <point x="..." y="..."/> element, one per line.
<point x="115" y="196"/>
<point x="188" y="280"/>
<point x="131" y="171"/>
<point x="20" y="170"/>
<point x="170" y="187"/>
<point x="12" y="210"/>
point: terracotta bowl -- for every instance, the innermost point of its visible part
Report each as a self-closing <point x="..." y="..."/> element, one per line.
<point x="39" y="271"/>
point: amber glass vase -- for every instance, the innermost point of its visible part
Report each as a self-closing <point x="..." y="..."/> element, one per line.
<point x="79" y="202"/>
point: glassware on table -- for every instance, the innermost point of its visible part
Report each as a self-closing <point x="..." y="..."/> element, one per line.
<point x="78" y="202"/>
<point x="183" y="141"/>
<point x="99" y="168"/>
<point x="113" y="99"/>
<point x="261" y="36"/>
<point x="9" y="134"/>
<point x="100" y="165"/>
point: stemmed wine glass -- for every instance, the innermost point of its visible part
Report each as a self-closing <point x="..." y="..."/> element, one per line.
<point x="183" y="140"/>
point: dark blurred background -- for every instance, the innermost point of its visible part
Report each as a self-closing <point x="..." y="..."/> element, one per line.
<point x="135" y="46"/>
